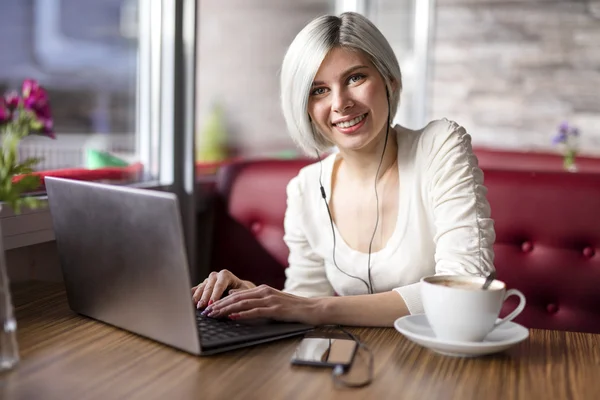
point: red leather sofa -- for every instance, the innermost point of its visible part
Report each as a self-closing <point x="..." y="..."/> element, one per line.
<point x="547" y="228"/>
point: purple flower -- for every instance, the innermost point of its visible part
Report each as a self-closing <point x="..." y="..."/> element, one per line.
<point x="41" y="126"/>
<point x="32" y="109"/>
<point x="563" y="127"/>
<point x="564" y="132"/>
<point x="29" y="86"/>
<point x="12" y="100"/>
<point x="35" y="98"/>
<point x="48" y="127"/>
<point x="4" y="113"/>
<point x="560" y="137"/>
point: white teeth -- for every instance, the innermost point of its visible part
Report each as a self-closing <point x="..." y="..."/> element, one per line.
<point x="352" y="122"/>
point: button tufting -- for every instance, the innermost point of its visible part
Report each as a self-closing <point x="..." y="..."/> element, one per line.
<point x="526" y="247"/>
<point x="255" y="227"/>
<point x="552" y="308"/>
<point x="588" y="251"/>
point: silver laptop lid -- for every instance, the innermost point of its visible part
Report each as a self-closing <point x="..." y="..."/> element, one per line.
<point x="123" y="259"/>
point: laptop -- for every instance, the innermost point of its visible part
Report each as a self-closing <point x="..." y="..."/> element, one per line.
<point x="123" y="260"/>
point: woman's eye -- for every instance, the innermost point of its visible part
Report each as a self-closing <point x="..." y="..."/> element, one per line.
<point x="318" y="91"/>
<point x="355" y="78"/>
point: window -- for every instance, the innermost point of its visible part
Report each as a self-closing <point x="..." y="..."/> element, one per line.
<point x="407" y="25"/>
<point x="85" y="53"/>
<point x="120" y="78"/>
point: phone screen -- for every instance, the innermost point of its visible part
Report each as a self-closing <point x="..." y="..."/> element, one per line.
<point x="327" y="352"/>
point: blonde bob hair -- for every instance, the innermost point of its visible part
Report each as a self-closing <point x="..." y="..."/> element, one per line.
<point x="304" y="57"/>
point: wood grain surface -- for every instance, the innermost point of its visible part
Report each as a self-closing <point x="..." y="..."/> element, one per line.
<point x="67" y="356"/>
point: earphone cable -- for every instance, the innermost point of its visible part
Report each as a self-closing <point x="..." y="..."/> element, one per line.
<point x="369" y="285"/>
<point x="369" y="290"/>
<point x="387" y="133"/>
<point x="338" y="372"/>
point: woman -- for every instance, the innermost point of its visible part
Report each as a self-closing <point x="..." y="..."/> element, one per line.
<point x="368" y="222"/>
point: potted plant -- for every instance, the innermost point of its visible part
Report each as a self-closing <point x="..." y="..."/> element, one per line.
<point x="21" y="114"/>
<point x="567" y="138"/>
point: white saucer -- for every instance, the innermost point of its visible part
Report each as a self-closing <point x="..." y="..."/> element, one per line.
<point x="416" y="328"/>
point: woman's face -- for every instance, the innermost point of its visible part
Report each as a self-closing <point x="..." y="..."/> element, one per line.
<point x="348" y="102"/>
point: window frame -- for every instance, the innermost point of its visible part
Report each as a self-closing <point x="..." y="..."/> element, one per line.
<point x="165" y="105"/>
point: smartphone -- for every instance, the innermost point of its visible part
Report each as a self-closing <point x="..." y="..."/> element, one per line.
<point x="325" y="351"/>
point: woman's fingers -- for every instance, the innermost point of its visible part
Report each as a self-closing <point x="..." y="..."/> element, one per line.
<point x="197" y="292"/>
<point x="257" y="292"/>
<point x="208" y="289"/>
<point x="239" y="306"/>
<point x="214" y="286"/>
<point x="243" y="300"/>
<point x="224" y="279"/>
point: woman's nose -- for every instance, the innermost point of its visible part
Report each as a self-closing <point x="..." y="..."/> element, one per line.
<point x="341" y="101"/>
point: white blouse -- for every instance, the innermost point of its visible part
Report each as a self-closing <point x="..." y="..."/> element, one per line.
<point x="443" y="225"/>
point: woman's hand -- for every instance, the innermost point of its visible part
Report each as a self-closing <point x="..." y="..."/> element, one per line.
<point x="265" y="302"/>
<point x="214" y="286"/>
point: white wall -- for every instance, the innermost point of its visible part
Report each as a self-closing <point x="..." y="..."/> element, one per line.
<point x="240" y="50"/>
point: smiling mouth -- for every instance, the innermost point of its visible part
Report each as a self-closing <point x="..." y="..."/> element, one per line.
<point x="351" y="123"/>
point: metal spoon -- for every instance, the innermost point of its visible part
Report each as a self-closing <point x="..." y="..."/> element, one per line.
<point x="488" y="281"/>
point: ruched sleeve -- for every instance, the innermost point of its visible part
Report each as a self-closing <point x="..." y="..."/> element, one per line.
<point x="455" y="193"/>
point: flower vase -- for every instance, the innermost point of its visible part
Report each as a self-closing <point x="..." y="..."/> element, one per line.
<point x="9" y="349"/>
<point x="569" y="161"/>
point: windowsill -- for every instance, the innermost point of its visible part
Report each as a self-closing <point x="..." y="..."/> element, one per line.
<point x="35" y="226"/>
<point x="26" y="229"/>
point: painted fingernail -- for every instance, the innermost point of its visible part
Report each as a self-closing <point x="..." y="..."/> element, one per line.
<point x="210" y="302"/>
<point x="207" y="311"/>
<point x="234" y="316"/>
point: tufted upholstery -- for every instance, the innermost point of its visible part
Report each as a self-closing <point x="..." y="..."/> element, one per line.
<point x="547" y="236"/>
<point x="547" y="227"/>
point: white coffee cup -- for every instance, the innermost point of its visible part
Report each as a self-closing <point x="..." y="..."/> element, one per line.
<point x="459" y="310"/>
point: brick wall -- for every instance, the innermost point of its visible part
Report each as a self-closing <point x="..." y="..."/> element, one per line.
<point x="511" y="70"/>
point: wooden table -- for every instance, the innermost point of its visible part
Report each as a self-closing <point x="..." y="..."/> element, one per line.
<point x="66" y="356"/>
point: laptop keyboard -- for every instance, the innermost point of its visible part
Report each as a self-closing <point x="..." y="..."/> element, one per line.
<point x="223" y="331"/>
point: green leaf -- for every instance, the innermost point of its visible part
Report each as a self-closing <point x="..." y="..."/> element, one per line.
<point x="27" y="183"/>
<point x="15" y="193"/>
<point x="25" y="167"/>
<point x="30" y="162"/>
<point x="10" y="143"/>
